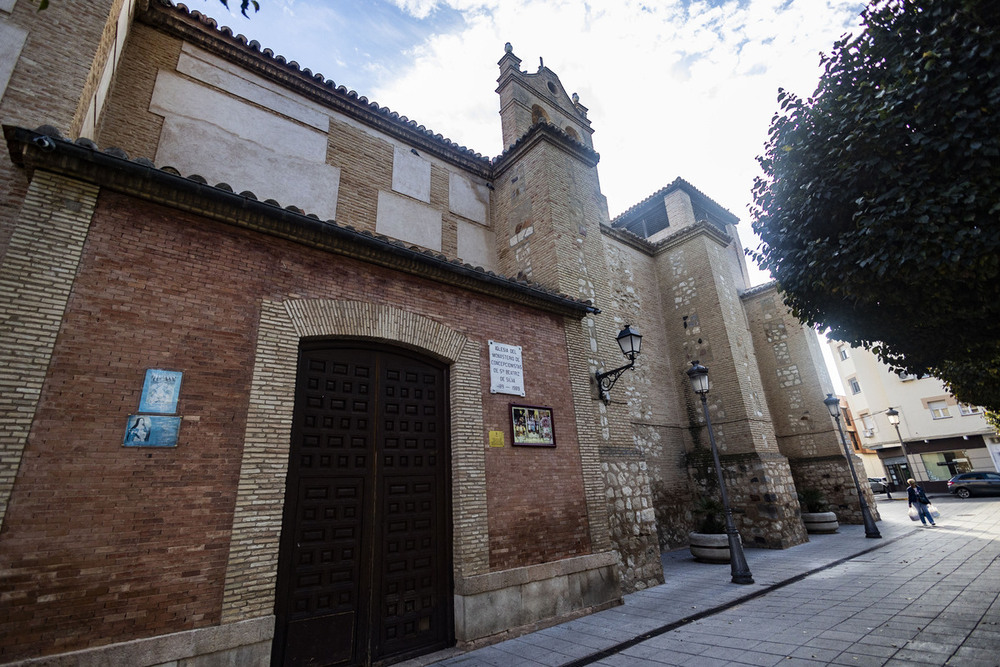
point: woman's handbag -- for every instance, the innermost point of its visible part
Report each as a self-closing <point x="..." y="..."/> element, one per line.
<point x="914" y="515"/>
<point x="933" y="510"/>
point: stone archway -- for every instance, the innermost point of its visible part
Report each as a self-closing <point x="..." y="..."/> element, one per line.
<point x="253" y="553"/>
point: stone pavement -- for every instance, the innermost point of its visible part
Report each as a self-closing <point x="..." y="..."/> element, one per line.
<point x="916" y="596"/>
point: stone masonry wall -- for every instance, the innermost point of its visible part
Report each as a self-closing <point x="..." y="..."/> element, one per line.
<point x="548" y="211"/>
<point x="653" y="410"/>
<point x="833" y="479"/>
<point x="706" y="321"/>
<point x="796" y="382"/>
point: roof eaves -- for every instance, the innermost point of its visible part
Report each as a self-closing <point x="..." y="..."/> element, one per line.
<point x="552" y="133"/>
<point x="758" y="289"/>
<point x="677" y="184"/>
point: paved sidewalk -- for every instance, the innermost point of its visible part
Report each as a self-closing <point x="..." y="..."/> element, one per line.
<point x="918" y="595"/>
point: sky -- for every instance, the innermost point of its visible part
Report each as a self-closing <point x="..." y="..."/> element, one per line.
<point x="673" y="87"/>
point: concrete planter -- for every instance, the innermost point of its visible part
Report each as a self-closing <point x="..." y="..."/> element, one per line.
<point x="820" y="522"/>
<point x="709" y="547"/>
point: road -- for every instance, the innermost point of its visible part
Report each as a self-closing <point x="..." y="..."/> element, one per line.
<point x="917" y="596"/>
<point x="930" y="597"/>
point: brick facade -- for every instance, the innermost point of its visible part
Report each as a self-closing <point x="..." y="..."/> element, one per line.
<point x="36" y="278"/>
<point x="199" y="308"/>
<point x="112" y="266"/>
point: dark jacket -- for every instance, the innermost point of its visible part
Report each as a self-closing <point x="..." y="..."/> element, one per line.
<point x="916" y="494"/>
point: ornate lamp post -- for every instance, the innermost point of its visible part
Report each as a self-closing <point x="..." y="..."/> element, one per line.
<point x="871" y="530"/>
<point x="893" y="415"/>
<point x="698" y="375"/>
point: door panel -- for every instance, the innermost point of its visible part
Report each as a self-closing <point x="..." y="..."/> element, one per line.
<point x="364" y="572"/>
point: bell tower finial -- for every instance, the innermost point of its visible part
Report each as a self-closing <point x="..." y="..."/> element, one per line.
<point x="509" y="64"/>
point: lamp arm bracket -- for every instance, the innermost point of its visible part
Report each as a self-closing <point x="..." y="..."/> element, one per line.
<point x="607" y="380"/>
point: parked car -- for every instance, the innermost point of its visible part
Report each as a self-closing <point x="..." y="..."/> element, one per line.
<point x="878" y="484"/>
<point x="974" y="483"/>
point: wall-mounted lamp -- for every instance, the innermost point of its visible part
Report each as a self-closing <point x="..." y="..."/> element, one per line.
<point x="629" y="340"/>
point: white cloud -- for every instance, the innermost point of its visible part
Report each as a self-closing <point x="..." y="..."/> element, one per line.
<point x="674" y="88"/>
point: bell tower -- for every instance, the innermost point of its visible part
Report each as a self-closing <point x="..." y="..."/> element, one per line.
<point x="548" y="214"/>
<point x="549" y="206"/>
<point x="527" y="99"/>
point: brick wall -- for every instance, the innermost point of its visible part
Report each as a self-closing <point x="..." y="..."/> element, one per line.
<point x="127" y="121"/>
<point x="51" y="79"/>
<point x="104" y="543"/>
<point x="36" y="276"/>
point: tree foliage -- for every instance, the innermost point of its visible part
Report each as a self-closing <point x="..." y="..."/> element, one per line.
<point x="879" y="211"/>
<point x="244" y="6"/>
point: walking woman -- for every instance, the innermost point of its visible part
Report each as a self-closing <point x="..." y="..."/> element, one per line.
<point x="916" y="496"/>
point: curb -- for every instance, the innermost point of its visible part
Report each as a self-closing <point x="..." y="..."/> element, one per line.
<point x="621" y="646"/>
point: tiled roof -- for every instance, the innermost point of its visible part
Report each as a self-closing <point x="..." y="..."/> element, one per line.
<point x="678" y="183"/>
<point x="253" y="47"/>
<point x="757" y="289"/>
<point x="591" y="156"/>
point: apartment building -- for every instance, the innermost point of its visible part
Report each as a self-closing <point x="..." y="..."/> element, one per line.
<point x="942" y="436"/>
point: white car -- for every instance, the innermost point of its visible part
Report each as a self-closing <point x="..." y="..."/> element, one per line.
<point x="878" y="484"/>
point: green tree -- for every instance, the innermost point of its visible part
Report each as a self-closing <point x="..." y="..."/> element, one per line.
<point x="244" y="6"/>
<point x="878" y="210"/>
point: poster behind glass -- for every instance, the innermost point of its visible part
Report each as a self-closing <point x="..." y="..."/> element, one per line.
<point x="532" y="425"/>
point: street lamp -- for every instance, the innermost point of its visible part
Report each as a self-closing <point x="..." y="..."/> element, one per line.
<point x="893" y="415"/>
<point x="630" y="341"/>
<point x="698" y="375"/>
<point x="871" y="530"/>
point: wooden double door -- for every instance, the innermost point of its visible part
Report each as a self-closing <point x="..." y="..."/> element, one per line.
<point x="364" y="572"/>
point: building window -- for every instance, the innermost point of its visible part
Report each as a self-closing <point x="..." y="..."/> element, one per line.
<point x="855" y="387"/>
<point x="842" y="350"/>
<point x="868" y="426"/>
<point x="942" y="466"/>
<point x="965" y="409"/>
<point x="939" y="409"/>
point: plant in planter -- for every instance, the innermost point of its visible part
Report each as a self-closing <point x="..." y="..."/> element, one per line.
<point x="709" y="542"/>
<point x="815" y="517"/>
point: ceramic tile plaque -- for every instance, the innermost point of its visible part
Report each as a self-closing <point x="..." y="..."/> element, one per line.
<point x="160" y="391"/>
<point x="151" y="431"/>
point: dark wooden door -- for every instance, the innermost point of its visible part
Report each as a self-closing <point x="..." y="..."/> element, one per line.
<point x="364" y="572"/>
